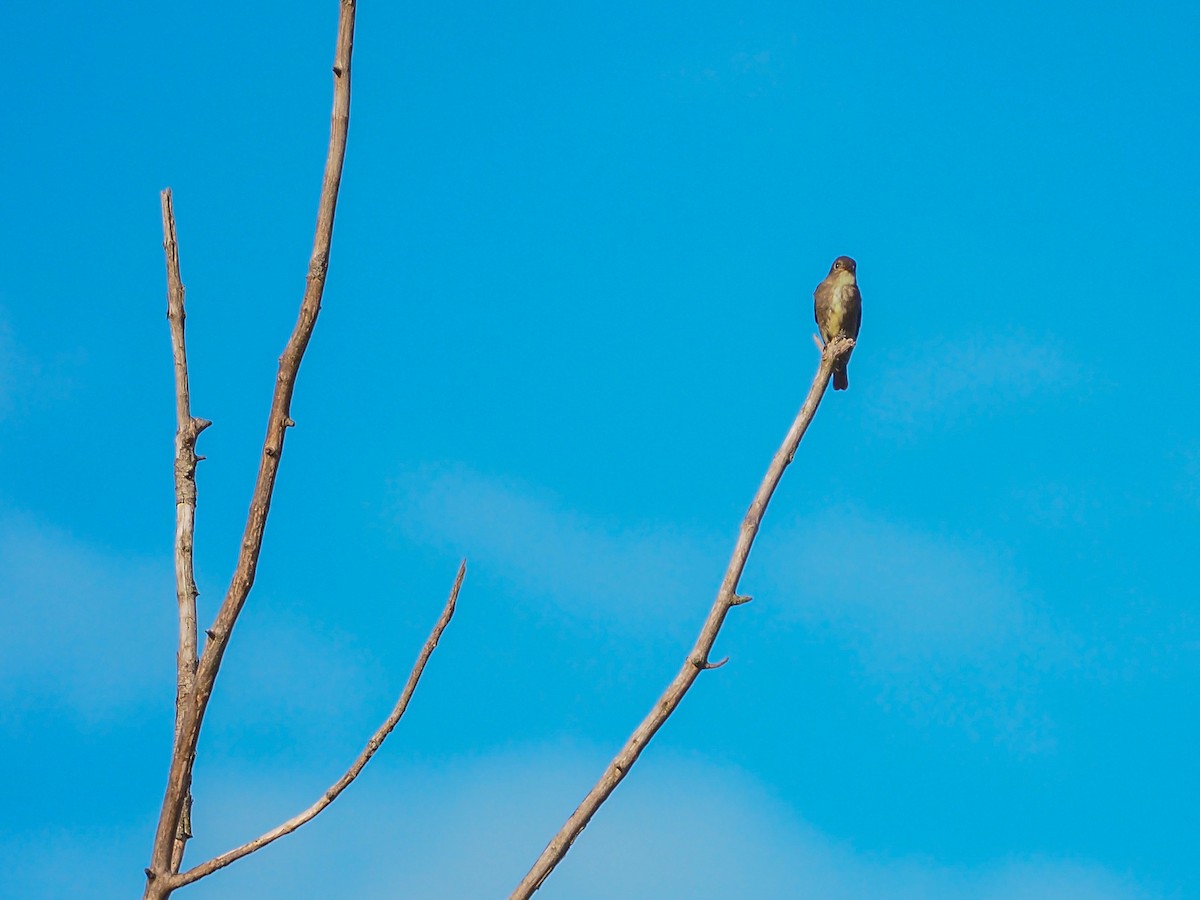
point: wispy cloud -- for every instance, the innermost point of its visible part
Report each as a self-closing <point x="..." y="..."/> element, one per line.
<point x="94" y="632"/>
<point x="466" y="828"/>
<point x="941" y="623"/>
<point x="84" y="628"/>
<point x="585" y="566"/>
<point x="967" y="376"/>
<point x="913" y="592"/>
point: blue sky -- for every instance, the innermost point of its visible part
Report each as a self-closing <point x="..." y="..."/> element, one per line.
<point x="567" y="323"/>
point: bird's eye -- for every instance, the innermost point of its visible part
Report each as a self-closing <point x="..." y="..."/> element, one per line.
<point x="837" y="264"/>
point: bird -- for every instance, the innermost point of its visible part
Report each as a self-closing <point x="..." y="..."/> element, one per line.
<point x="838" y="306"/>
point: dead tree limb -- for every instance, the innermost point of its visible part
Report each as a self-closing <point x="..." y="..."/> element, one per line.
<point x="187" y="430"/>
<point x="165" y="859"/>
<point x="697" y="659"/>
<point x="377" y="739"/>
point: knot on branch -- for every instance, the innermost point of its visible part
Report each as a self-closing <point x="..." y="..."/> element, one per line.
<point x="318" y="267"/>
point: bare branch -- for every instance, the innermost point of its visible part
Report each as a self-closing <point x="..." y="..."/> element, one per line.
<point x="696" y="662"/>
<point x="377" y="739"/>
<point x="188" y="728"/>
<point x="187" y="430"/>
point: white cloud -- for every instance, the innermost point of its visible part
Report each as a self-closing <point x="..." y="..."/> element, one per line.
<point x="83" y="628"/>
<point x="469" y="828"/>
<point x="908" y="592"/>
<point x="966" y="376"/>
<point x="942" y="624"/>
<point x="95" y="633"/>
<point x="584" y="566"/>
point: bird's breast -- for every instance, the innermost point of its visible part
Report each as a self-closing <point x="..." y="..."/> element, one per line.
<point x="837" y="309"/>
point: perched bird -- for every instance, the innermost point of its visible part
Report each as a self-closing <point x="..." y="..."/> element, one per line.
<point x="839" y="311"/>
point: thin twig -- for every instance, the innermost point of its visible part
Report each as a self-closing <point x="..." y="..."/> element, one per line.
<point x="188" y="733"/>
<point x="697" y="660"/>
<point x="187" y="430"/>
<point x="377" y="739"/>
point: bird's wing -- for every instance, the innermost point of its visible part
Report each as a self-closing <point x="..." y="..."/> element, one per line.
<point x="853" y="320"/>
<point x="822" y="298"/>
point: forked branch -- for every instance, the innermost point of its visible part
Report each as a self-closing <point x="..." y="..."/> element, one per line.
<point x="377" y="739"/>
<point x="697" y="658"/>
<point x="166" y="856"/>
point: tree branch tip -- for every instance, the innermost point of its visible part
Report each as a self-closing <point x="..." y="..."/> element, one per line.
<point x="714" y="665"/>
<point x="820" y="344"/>
<point x="458" y="581"/>
<point x="200" y="424"/>
<point x="150" y="874"/>
<point x="739" y="599"/>
<point x="210" y="634"/>
<point x="289" y="422"/>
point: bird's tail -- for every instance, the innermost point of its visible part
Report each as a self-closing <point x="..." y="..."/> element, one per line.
<point x="840" y="379"/>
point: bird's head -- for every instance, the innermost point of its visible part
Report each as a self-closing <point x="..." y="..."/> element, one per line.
<point x="841" y="272"/>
